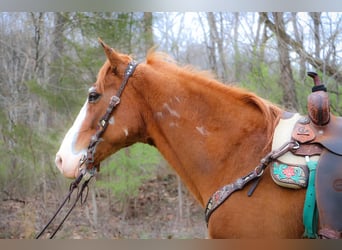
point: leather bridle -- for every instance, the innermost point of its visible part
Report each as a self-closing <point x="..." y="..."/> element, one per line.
<point x="87" y="166"/>
<point x="88" y="158"/>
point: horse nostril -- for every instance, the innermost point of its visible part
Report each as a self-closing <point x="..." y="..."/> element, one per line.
<point x="58" y="162"/>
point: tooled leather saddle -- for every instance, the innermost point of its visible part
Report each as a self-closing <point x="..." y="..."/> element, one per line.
<point x="320" y="135"/>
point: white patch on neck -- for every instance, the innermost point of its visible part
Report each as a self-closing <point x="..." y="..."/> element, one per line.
<point x="125" y="130"/>
<point x="173" y="125"/>
<point x="112" y="120"/>
<point x="171" y="111"/>
<point x="159" y="115"/>
<point x="202" y="130"/>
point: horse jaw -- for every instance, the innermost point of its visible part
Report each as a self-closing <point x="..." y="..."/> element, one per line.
<point x="68" y="157"/>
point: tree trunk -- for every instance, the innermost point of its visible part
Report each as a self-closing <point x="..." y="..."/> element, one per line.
<point x="37" y="20"/>
<point x="315" y="62"/>
<point x="180" y="199"/>
<point x="237" y="56"/>
<point x="58" y="46"/>
<point x="216" y="45"/>
<point x="316" y="18"/>
<point x="148" y="30"/>
<point x="299" y="37"/>
<point x="286" y="77"/>
<point x="212" y="44"/>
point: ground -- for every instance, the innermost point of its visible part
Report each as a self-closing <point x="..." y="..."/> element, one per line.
<point x="154" y="214"/>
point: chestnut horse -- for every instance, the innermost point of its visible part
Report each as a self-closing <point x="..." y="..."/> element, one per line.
<point x="210" y="133"/>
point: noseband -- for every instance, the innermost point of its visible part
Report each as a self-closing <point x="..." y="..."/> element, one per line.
<point x="88" y="159"/>
<point x="87" y="172"/>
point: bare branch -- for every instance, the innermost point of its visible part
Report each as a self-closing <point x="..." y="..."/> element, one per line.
<point x="315" y="62"/>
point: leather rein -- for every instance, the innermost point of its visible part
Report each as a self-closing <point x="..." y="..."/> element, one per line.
<point x="87" y="172"/>
<point x="221" y="195"/>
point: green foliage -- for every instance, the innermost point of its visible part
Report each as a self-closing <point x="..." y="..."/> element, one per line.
<point x="22" y="152"/>
<point x="128" y="169"/>
<point x="260" y="80"/>
<point x="303" y="89"/>
<point x="333" y="89"/>
<point x="4" y="151"/>
<point x="121" y="30"/>
<point x="52" y="98"/>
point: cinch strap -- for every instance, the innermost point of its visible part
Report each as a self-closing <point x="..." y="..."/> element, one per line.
<point x="310" y="214"/>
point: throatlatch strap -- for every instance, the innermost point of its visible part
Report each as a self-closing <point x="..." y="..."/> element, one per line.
<point x="310" y="213"/>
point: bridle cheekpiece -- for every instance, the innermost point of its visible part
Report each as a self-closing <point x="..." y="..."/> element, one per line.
<point x="88" y="158"/>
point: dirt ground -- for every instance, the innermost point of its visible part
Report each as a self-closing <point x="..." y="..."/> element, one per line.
<point x="154" y="214"/>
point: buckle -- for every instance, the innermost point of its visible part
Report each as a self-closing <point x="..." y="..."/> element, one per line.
<point x="115" y="100"/>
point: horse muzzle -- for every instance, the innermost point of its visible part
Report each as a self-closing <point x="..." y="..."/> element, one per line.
<point x="69" y="167"/>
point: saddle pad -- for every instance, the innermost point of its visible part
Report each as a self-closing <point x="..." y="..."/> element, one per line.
<point x="282" y="134"/>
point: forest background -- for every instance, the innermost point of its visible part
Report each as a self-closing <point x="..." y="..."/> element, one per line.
<point x="48" y="60"/>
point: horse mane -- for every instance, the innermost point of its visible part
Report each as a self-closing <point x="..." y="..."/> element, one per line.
<point x="268" y="110"/>
<point x="161" y="59"/>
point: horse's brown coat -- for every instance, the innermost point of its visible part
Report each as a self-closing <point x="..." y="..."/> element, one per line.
<point x="210" y="133"/>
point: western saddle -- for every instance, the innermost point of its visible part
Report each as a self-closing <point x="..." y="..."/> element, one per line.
<point x="319" y="135"/>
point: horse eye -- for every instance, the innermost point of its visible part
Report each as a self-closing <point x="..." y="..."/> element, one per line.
<point x="93" y="97"/>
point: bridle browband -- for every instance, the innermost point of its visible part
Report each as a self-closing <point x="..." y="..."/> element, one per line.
<point x="87" y="172"/>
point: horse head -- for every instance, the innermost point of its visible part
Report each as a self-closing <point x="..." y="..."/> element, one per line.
<point x="124" y="125"/>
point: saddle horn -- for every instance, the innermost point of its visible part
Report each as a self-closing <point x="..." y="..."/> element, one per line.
<point x="318" y="102"/>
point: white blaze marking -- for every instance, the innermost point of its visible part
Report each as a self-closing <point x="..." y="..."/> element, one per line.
<point x="67" y="151"/>
<point x="71" y="136"/>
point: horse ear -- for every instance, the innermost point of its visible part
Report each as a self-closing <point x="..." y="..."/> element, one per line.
<point x="112" y="56"/>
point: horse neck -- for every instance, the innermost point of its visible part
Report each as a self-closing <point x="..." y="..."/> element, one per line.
<point x="202" y="129"/>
